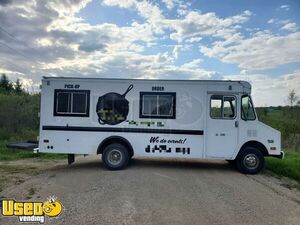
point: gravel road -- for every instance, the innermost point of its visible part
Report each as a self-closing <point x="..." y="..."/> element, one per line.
<point x="160" y="192"/>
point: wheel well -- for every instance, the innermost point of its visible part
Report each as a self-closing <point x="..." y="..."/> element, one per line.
<point x="115" y="139"/>
<point x="257" y="145"/>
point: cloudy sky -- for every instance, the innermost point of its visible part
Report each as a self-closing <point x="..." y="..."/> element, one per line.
<point x="257" y="41"/>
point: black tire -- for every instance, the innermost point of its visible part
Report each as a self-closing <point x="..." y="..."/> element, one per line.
<point x="115" y="156"/>
<point x="250" y="161"/>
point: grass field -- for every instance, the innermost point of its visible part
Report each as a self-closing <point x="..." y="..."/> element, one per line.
<point x="289" y="167"/>
<point x="15" y="154"/>
<point x="287" y="121"/>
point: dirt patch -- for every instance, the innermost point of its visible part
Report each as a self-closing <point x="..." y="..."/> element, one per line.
<point x="14" y="173"/>
<point x="154" y="192"/>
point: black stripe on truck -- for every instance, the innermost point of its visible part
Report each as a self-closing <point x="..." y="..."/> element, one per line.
<point x="125" y="130"/>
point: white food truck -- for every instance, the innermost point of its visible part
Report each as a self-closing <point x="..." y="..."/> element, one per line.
<point x="125" y="118"/>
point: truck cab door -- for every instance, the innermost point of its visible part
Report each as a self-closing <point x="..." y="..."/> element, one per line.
<point x="222" y="126"/>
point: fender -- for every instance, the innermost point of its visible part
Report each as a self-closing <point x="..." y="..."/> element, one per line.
<point x="115" y="139"/>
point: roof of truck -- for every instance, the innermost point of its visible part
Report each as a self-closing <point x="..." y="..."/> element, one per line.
<point x="244" y="83"/>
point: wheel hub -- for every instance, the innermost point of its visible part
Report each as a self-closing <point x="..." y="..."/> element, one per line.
<point x="115" y="157"/>
<point x="251" y="161"/>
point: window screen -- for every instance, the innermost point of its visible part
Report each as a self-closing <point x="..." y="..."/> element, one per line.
<point x="71" y="103"/>
<point x="222" y="107"/>
<point x="79" y="103"/>
<point x="157" y="105"/>
<point x="63" y="105"/>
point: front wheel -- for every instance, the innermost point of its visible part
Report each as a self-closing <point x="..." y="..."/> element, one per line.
<point x="250" y="161"/>
<point x="115" y="156"/>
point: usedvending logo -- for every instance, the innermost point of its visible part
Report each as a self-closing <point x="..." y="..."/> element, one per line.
<point x="32" y="211"/>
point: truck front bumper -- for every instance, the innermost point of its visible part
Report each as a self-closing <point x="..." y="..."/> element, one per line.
<point x="281" y="156"/>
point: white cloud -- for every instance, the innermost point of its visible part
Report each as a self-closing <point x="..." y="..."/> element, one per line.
<point x="178" y="48"/>
<point x="144" y="8"/>
<point x="285" y="7"/>
<point x="290" y="27"/>
<point x="194" y="39"/>
<point x="136" y="48"/>
<point x="14" y="74"/>
<point x="54" y="41"/>
<point x="195" y="64"/>
<point x="244" y="72"/>
<point x="122" y="4"/>
<point x="169" y="4"/>
<point x="263" y="87"/>
<point x="29" y="85"/>
<point x="262" y="51"/>
<point x="284" y="24"/>
<point x="65" y="45"/>
<point x="176" y="51"/>
<point x="182" y="11"/>
<point x="278" y="21"/>
<point x="196" y="24"/>
<point x="161" y="66"/>
<point x="272" y="20"/>
<point x="150" y="12"/>
<point x="57" y="42"/>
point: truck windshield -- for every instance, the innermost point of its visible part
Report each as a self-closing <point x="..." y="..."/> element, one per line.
<point x="248" y="112"/>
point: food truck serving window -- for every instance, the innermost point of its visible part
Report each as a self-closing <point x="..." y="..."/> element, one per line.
<point x="71" y="103"/>
<point x="158" y="105"/>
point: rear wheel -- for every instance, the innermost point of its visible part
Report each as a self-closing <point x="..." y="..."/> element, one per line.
<point x="115" y="156"/>
<point x="250" y="161"/>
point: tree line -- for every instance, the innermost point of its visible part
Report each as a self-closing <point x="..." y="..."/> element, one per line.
<point x="8" y="87"/>
<point x="18" y="111"/>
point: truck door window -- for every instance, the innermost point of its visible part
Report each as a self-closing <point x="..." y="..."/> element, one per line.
<point x="222" y="107"/>
<point x="248" y="112"/>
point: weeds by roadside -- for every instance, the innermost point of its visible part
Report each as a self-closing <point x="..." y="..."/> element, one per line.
<point x="15" y="154"/>
<point x="289" y="167"/>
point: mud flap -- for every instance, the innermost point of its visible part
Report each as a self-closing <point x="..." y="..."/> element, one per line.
<point x="71" y="158"/>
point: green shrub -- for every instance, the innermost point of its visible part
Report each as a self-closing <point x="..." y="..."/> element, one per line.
<point x="287" y="121"/>
<point x="19" y="116"/>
